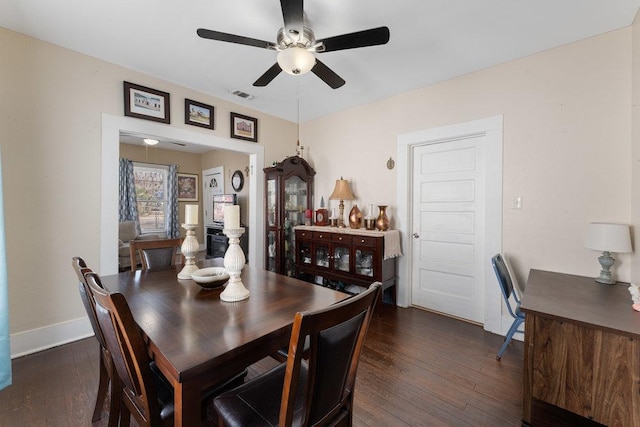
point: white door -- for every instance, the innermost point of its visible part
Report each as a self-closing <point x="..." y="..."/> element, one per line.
<point x="448" y="227"/>
<point x="212" y="183"/>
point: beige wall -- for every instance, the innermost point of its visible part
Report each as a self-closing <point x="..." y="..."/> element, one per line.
<point x="50" y="135"/>
<point x="567" y="139"/>
<point x="567" y="148"/>
<point x="635" y="147"/>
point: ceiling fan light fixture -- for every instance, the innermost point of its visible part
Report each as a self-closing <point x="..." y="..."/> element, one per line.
<point x="296" y="60"/>
<point x="150" y="141"/>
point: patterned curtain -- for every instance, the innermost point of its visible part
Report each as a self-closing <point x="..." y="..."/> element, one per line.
<point x="128" y="206"/>
<point x="5" y="351"/>
<point x="173" y="226"/>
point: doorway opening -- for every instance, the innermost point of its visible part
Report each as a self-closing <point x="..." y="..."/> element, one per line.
<point x="113" y="126"/>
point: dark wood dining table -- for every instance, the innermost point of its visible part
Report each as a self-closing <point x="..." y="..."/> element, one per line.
<point x="198" y="341"/>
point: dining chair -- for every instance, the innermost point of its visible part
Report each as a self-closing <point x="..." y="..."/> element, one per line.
<point x="106" y="365"/>
<point x="154" y="254"/>
<point x="318" y="391"/>
<point x="146" y="393"/>
<point x="506" y="287"/>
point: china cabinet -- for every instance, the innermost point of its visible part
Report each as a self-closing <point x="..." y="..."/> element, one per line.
<point x="289" y="193"/>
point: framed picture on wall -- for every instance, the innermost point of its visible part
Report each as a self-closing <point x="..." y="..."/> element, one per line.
<point x="187" y="187"/>
<point x="244" y="127"/>
<point x="146" y="103"/>
<point x="198" y="114"/>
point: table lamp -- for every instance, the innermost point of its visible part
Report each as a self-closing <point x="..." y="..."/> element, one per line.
<point x="607" y="237"/>
<point x="342" y="192"/>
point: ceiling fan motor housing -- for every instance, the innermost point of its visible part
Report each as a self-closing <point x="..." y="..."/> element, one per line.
<point x="286" y="39"/>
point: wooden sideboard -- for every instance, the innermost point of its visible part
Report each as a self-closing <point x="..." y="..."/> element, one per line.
<point x="354" y="257"/>
<point x="582" y="351"/>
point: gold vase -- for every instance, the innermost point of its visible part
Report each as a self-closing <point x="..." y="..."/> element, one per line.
<point x="382" y="223"/>
<point x="355" y="217"/>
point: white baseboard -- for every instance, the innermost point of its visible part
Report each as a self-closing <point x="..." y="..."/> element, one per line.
<point x="34" y="340"/>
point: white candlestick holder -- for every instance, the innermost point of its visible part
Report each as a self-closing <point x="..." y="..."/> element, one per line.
<point x="189" y="249"/>
<point x="234" y="261"/>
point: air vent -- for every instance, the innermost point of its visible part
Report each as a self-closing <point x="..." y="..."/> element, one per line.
<point x="243" y="95"/>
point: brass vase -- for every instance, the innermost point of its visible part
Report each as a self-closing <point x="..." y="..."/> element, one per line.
<point x="355" y="217"/>
<point x="382" y="223"/>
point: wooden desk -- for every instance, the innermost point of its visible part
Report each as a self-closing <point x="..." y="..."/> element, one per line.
<point x="197" y="340"/>
<point x="581" y="348"/>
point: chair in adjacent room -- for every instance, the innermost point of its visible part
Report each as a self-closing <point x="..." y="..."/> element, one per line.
<point x="155" y="254"/>
<point x="106" y="367"/>
<point x="146" y="393"/>
<point x="506" y="287"/>
<point x="318" y="391"/>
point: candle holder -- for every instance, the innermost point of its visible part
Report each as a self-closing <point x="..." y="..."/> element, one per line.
<point x="189" y="249"/>
<point x="234" y="263"/>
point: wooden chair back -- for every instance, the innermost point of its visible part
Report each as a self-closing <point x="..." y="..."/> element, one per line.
<point x="106" y="369"/>
<point x="81" y="269"/>
<point x="155" y="254"/>
<point x="129" y="354"/>
<point x="336" y="335"/>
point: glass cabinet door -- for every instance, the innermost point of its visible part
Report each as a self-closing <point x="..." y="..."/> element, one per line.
<point x="364" y="262"/>
<point x="271" y="250"/>
<point x="304" y="252"/>
<point x="341" y="258"/>
<point x="295" y="200"/>
<point x="295" y="203"/>
<point x="271" y="202"/>
<point x="322" y="255"/>
<point x="289" y="248"/>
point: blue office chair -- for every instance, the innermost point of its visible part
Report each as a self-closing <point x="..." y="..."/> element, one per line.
<point x="506" y="286"/>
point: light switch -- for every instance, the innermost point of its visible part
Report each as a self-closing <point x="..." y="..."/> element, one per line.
<point x="517" y="203"/>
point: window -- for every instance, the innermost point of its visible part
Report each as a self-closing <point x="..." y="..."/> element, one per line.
<point x="151" y="192"/>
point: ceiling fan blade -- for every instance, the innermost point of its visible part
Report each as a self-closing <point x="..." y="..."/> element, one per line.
<point x="269" y="75"/>
<point x="371" y="37"/>
<point x="327" y="75"/>
<point x="293" y="14"/>
<point x="177" y="143"/>
<point x="232" y="38"/>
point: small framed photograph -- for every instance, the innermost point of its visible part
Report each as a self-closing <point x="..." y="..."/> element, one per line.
<point x="187" y="187"/>
<point x="146" y="103"/>
<point x="198" y="114"/>
<point x="244" y="127"/>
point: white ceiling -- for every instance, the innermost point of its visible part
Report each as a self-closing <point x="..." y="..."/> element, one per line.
<point x="431" y="41"/>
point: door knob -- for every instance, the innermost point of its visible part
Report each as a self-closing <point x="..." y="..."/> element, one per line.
<point x="416" y="236"/>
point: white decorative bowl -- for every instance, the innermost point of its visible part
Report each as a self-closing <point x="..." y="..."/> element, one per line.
<point x="211" y="277"/>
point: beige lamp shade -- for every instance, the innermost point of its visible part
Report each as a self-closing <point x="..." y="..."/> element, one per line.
<point x="608" y="237"/>
<point x="342" y="191"/>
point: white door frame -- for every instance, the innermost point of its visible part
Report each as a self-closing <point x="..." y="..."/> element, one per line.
<point x="111" y="128"/>
<point x="491" y="129"/>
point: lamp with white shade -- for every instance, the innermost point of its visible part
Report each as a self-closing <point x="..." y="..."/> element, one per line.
<point x="608" y="237"/>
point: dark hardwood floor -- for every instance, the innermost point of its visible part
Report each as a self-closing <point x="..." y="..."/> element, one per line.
<point x="417" y="369"/>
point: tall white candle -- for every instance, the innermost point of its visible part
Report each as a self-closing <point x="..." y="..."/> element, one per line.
<point x="191" y="214"/>
<point x="232" y="216"/>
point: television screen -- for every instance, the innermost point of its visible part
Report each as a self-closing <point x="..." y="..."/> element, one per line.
<point x="219" y="202"/>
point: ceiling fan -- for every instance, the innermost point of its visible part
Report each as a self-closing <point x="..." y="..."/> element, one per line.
<point x="296" y="45"/>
